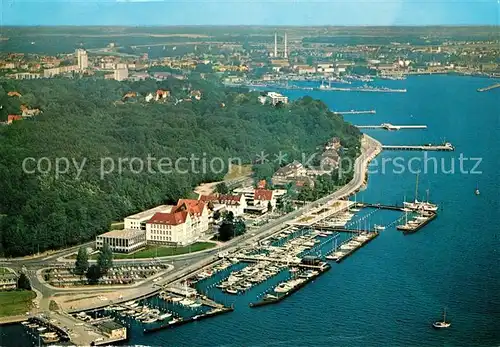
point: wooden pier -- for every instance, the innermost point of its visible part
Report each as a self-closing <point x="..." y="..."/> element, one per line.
<point x="209" y="314"/>
<point x="446" y="147"/>
<point x="391" y="127"/>
<point x="355" y="112"/>
<point x="485" y="89"/>
<point x="372" y="235"/>
<point x="419" y="226"/>
<point x="321" y="270"/>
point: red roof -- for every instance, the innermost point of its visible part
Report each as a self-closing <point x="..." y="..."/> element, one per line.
<point x="13" y="117"/>
<point x="194" y="207"/>
<point x="227" y="199"/>
<point x="263" y="194"/>
<point x="208" y="198"/>
<point x="175" y="218"/>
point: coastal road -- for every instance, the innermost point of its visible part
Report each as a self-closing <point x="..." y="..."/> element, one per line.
<point x="191" y="262"/>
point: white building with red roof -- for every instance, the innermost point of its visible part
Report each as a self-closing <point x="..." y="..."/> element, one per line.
<point x="183" y="225"/>
<point x="233" y="203"/>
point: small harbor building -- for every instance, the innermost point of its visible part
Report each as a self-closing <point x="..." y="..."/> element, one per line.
<point x="113" y="330"/>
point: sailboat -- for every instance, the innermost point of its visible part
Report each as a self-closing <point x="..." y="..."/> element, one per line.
<point x="420" y="205"/>
<point x="355" y="209"/>
<point x="442" y="324"/>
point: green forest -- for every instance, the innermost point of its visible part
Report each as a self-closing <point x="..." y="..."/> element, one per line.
<point x="87" y="119"/>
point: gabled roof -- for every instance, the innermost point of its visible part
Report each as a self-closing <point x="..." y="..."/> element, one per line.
<point x="263" y="194"/>
<point x="174" y="218"/>
<point x="194" y="207"/>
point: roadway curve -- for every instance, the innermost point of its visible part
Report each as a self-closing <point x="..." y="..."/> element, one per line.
<point x="186" y="265"/>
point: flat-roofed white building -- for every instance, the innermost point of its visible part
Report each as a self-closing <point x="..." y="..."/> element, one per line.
<point x="277" y="97"/>
<point x="138" y="221"/>
<point x="122" y="241"/>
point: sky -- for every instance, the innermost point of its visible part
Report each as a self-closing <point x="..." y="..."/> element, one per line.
<point x="250" y="12"/>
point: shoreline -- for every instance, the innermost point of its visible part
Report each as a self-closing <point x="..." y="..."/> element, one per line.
<point x="370" y="149"/>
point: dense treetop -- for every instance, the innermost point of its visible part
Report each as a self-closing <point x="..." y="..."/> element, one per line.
<point x="86" y="118"/>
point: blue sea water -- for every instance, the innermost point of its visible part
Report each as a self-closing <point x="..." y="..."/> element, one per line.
<point x="389" y="292"/>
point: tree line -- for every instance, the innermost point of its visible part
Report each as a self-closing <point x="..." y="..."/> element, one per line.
<point x="82" y="120"/>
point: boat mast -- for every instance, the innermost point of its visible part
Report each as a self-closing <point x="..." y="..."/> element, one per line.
<point x="416" y="190"/>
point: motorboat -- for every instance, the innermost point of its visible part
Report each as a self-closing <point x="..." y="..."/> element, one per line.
<point x="176" y="299"/>
<point x="164" y="316"/>
<point x="378" y="227"/>
<point x="150" y="320"/>
<point x="231" y="291"/>
<point x="175" y="320"/>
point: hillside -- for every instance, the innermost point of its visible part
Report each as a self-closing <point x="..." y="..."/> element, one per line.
<point x="87" y="122"/>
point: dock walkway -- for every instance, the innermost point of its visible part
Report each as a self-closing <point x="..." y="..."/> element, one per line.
<point x="446" y="147"/>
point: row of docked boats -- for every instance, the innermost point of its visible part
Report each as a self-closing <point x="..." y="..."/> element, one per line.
<point x="243" y="280"/>
<point x="347" y="247"/>
<point x="46" y="336"/>
<point x="184" y="301"/>
<point x="141" y="313"/>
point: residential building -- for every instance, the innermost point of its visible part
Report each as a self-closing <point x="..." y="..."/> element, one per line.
<point x="291" y="170"/>
<point x="122" y="241"/>
<point x="25" y="76"/>
<point x="183" y="225"/>
<point x="13" y="117"/>
<point x="334" y="144"/>
<point x="138" y="221"/>
<point x="305" y="69"/>
<point x="8" y="280"/>
<point x="162" y="94"/>
<point x="257" y="200"/>
<point x="233" y="203"/>
<point x="82" y="59"/>
<point x="276" y="98"/>
<point x="120" y="74"/>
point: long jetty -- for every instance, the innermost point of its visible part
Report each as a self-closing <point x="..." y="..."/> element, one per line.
<point x="389" y="126"/>
<point x="355" y="112"/>
<point x="321" y="270"/>
<point x="485" y="89"/>
<point x="446" y="147"/>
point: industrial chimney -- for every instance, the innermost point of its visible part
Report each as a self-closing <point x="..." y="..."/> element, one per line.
<point x="275" y="45"/>
<point x="285" y="54"/>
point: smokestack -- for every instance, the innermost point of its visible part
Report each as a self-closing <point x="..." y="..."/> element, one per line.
<point x="275" y="45"/>
<point x="286" y="48"/>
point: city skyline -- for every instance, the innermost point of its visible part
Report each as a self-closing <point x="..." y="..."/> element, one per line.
<point x="277" y="13"/>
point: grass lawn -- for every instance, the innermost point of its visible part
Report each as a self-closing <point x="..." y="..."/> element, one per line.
<point x="15" y="302"/>
<point x="236" y="171"/>
<point x="162" y="251"/>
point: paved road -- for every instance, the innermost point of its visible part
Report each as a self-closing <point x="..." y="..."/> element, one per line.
<point x="191" y="262"/>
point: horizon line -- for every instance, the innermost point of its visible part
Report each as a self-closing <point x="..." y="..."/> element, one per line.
<point x="247" y="25"/>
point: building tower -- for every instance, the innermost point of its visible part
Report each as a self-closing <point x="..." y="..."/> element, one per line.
<point x="83" y="60"/>
<point x="285" y="54"/>
<point x="275" y="45"/>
